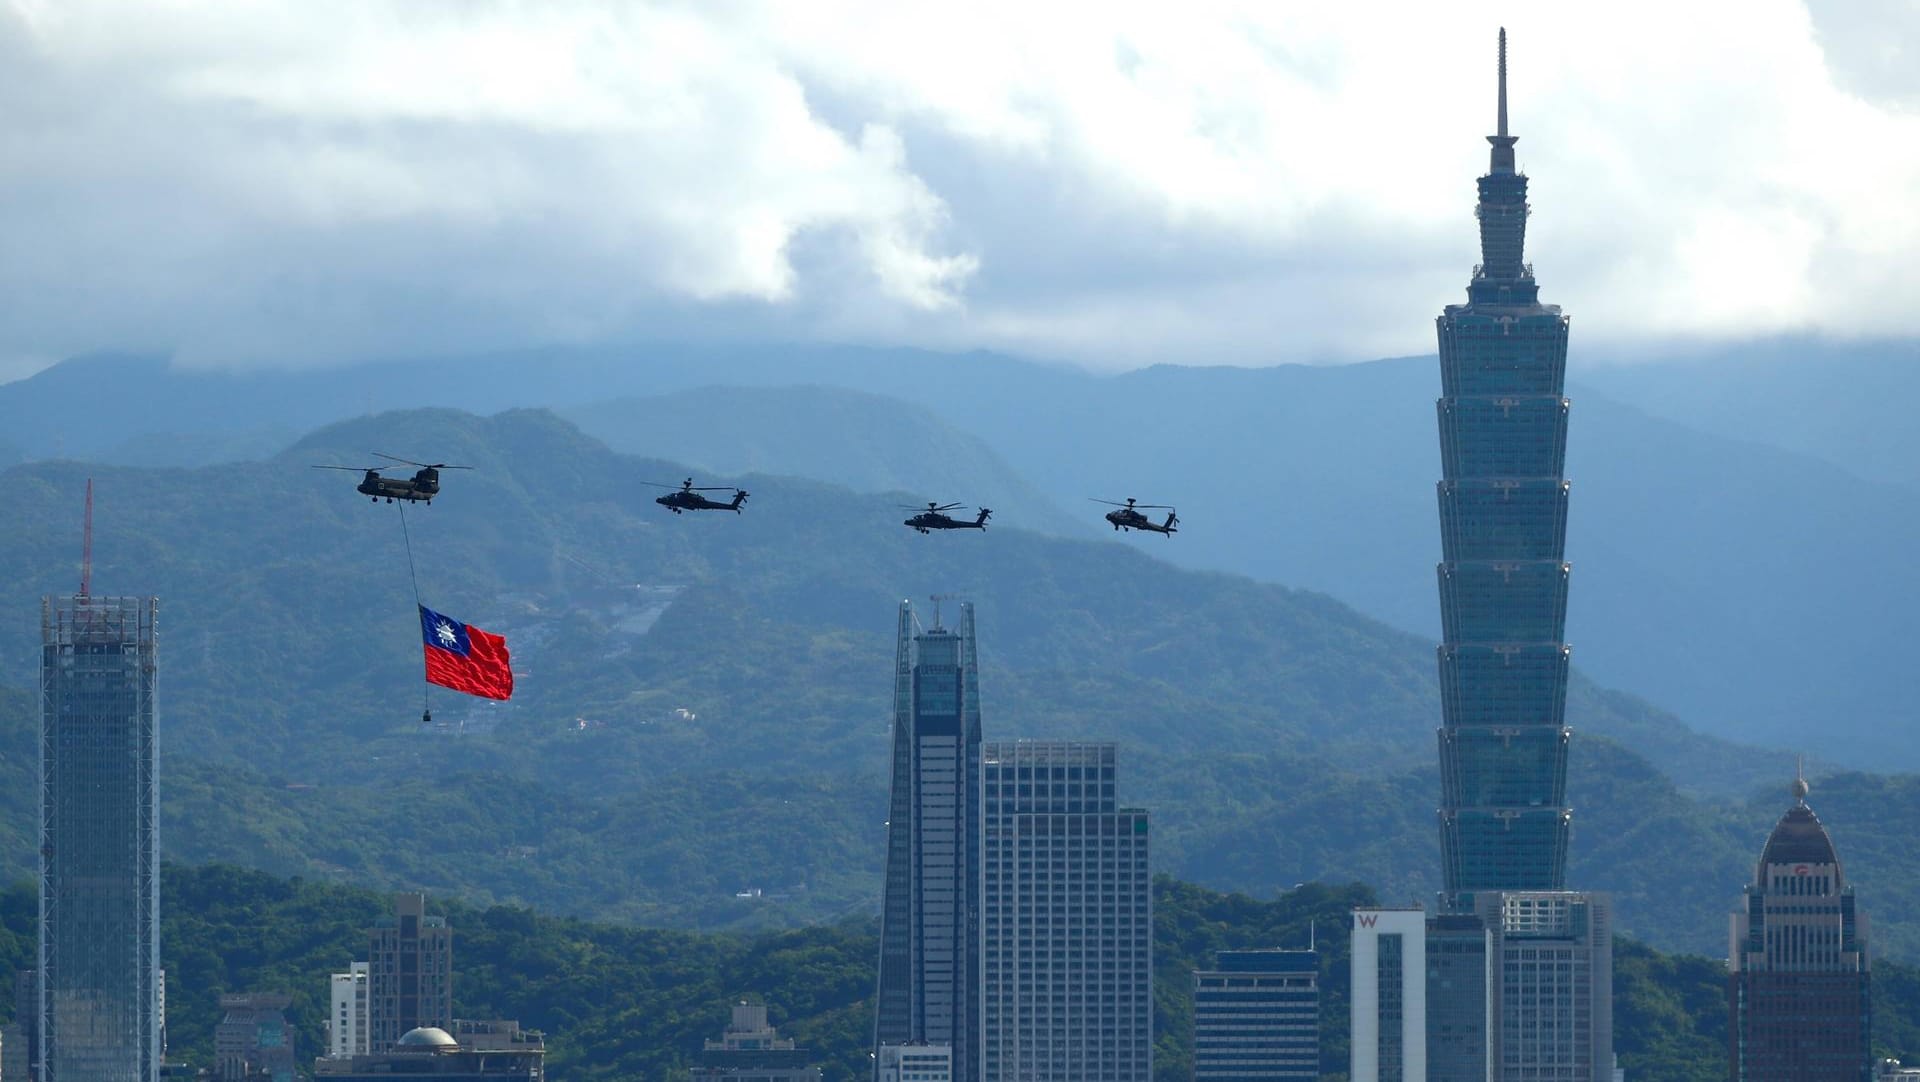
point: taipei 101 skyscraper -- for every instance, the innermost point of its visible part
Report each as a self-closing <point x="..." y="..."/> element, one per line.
<point x="1503" y="576"/>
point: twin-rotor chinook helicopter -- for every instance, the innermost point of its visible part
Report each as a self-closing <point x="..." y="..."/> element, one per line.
<point x="424" y="485"/>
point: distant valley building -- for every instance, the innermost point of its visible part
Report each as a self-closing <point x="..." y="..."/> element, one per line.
<point x="1256" y="1017"/>
<point x="751" y="1051"/>
<point x="409" y="973"/>
<point x="1068" y="919"/>
<point x="1798" y="991"/>
<point x="928" y="989"/>
<point x="483" y="1052"/>
<point x="253" y="1042"/>
<point x="347" y="1011"/>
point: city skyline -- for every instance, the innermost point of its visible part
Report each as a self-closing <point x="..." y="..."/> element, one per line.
<point x="700" y="743"/>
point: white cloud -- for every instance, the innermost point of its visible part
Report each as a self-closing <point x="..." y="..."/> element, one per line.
<point x="1118" y="183"/>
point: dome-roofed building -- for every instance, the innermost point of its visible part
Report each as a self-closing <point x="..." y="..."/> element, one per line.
<point x="1797" y="980"/>
<point x="494" y="1051"/>
<point x="428" y="1037"/>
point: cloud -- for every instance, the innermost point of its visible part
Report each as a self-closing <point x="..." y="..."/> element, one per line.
<point x="1114" y="183"/>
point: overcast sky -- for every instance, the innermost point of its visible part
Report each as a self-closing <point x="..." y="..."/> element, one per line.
<point x="1110" y="183"/>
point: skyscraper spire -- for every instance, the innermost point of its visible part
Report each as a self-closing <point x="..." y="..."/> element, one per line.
<point x="1502" y="142"/>
<point x="1503" y="80"/>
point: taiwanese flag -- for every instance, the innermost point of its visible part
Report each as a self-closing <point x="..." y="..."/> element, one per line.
<point x="465" y="658"/>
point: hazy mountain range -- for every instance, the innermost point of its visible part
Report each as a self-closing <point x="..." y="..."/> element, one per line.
<point x="702" y="707"/>
<point x="1757" y="589"/>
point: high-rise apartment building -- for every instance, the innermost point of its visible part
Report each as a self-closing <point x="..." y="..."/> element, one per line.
<point x="1503" y="575"/>
<point x="1389" y="996"/>
<point x="929" y="981"/>
<point x="1256" y="1017"/>
<point x="1798" y="992"/>
<point x="347" y="1012"/>
<point x="99" y="953"/>
<point x="1068" y="918"/>
<point x="409" y="973"/>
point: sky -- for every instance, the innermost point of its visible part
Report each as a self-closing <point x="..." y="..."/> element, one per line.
<point x="279" y="182"/>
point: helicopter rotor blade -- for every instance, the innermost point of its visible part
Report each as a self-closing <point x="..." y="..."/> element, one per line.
<point x="397" y="458"/>
<point x="1111" y="503"/>
<point x="353" y="469"/>
<point x="1155" y="506"/>
<point x="444" y="466"/>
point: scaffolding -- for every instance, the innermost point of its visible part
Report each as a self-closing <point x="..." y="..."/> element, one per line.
<point x="99" y="960"/>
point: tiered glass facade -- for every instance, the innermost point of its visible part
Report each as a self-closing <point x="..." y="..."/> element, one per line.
<point x="1503" y="577"/>
<point x="929" y="982"/>
<point x="100" y="1005"/>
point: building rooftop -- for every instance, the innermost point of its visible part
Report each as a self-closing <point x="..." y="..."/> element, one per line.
<point x="428" y="1037"/>
<point x="1799" y="839"/>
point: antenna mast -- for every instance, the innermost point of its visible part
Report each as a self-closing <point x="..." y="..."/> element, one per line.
<point x="86" y="545"/>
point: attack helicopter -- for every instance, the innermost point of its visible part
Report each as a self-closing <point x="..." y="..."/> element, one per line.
<point x="1128" y="517"/>
<point x="688" y="498"/>
<point x="422" y="487"/>
<point x="935" y="518"/>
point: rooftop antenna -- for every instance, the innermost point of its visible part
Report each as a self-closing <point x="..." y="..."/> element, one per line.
<point x="1503" y="80"/>
<point x="1800" y="786"/>
<point x="86" y="545"/>
<point x="1502" y="142"/>
<point x="937" y="599"/>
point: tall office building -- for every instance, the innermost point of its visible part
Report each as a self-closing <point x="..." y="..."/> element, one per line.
<point x="1503" y="575"/>
<point x="347" y="1015"/>
<point x="1069" y="919"/>
<point x="1798" y="994"/>
<point x="99" y="953"/>
<point x="409" y="974"/>
<point x="1388" y="1002"/>
<point x="1549" y="987"/>
<point x="929" y="980"/>
<point x="1256" y="1017"/>
<point x="1511" y="951"/>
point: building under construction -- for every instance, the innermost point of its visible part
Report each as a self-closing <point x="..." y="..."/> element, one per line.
<point x="99" y="987"/>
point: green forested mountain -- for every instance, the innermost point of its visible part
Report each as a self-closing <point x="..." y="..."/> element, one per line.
<point x="622" y="1004"/>
<point x="702" y="705"/>
<point x="1759" y="591"/>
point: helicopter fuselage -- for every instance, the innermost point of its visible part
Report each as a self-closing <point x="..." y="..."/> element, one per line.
<point x="685" y="500"/>
<point x="1128" y="519"/>
<point x="928" y="521"/>
<point x="422" y="487"/>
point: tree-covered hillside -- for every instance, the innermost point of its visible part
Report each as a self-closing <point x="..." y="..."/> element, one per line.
<point x="702" y="705"/>
<point x="1748" y="587"/>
